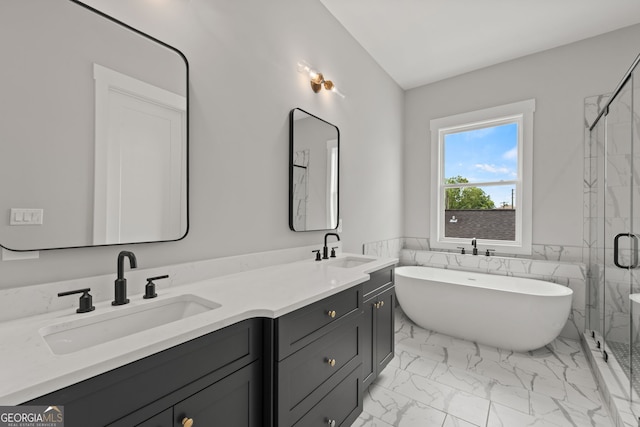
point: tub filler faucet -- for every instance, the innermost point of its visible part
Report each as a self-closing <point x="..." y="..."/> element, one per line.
<point x="474" y="243"/>
<point x="121" y="283"/>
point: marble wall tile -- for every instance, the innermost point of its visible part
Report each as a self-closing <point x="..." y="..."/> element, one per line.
<point x="384" y="248"/>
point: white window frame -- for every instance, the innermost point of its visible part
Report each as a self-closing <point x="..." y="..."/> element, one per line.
<point x="521" y="112"/>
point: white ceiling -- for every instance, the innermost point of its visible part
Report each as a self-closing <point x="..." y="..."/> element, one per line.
<point x="422" y="41"/>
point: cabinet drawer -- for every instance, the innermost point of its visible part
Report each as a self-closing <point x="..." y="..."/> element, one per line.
<point x="343" y="404"/>
<point x="299" y="328"/>
<point x="301" y="375"/>
<point x="163" y="419"/>
<point x="377" y="280"/>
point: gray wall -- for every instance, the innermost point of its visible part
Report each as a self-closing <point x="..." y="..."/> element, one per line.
<point x="559" y="79"/>
<point x="244" y="82"/>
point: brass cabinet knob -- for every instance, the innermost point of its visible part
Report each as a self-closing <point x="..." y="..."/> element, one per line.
<point x="381" y="303"/>
<point x="376" y="305"/>
<point x="187" y="422"/>
<point x="331" y="362"/>
<point x="331" y="423"/>
<point x="331" y="313"/>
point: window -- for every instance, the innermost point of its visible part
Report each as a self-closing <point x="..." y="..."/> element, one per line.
<point x="481" y="178"/>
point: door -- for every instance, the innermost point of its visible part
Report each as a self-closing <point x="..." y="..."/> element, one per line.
<point x="620" y="257"/>
<point x="384" y="342"/>
<point x="140" y="155"/>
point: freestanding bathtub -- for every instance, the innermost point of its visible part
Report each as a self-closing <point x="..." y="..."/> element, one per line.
<point x="501" y="311"/>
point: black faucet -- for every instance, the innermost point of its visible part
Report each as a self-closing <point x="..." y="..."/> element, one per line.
<point x="325" y="249"/>
<point x="121" y="282"/>
<point x="474" y="243"/>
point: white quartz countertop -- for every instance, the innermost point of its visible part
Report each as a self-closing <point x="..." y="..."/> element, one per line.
<point x="29" y="369"/>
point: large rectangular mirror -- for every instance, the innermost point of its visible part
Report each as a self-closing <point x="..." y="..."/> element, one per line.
<point x="94" y="134"/>
<point x="314" y="154"/>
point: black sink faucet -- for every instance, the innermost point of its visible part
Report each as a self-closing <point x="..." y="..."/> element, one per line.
<point x="325" y="249"/>
<point x="474" y="243"/>
<point x="121" y="282"/>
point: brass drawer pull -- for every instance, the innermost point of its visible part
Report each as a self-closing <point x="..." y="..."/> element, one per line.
<point x="187" y="422"/>
<point x="331" y="362"/>
<point x="378" y="304"/>
<point x="331" y="313"/>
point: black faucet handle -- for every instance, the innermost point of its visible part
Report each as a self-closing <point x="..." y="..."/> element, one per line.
<point x="150" y="287"/>
<point x="333" y="251"/>
<point x="488" y="252"/>
<point x="318" y="258"/>
<point x="462" y="250"/>
<point x="86" y="300"/>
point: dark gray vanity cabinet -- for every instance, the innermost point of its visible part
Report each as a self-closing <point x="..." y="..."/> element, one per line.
<point x="378" y="323"/>
<point x="215" y="379"/>
<point x="318" y="363"/>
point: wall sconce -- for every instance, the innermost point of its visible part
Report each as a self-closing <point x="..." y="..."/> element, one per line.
<point x="317" y="80"/>
<point x="453" y="219"/>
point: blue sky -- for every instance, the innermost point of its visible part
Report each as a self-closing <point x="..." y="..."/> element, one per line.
<point x="487" y="154"/>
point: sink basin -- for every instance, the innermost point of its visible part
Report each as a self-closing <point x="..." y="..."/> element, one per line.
<point x="349" y="261"/>
<point x="81" y="333"/>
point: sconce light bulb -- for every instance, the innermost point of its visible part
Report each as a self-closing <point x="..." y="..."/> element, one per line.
<point x="317" y="79"/>
<point x="303" y="67"/>
<point x="335" y="90"/>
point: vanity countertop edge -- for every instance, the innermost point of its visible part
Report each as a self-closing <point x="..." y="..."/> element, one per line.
<point x="29" y="369"/>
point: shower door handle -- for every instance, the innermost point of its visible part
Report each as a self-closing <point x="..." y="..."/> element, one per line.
<point x="634" y="253"/>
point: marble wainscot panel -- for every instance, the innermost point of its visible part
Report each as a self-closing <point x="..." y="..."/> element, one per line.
<point x="43" y="298"/>
<point x="571" y="274"/>
<point x="393" y="248"/>
<point x="387" y="247"/>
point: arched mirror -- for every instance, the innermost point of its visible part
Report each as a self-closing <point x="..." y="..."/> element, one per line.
<point x="314" y="156"/>
<point x="94" y="134"/>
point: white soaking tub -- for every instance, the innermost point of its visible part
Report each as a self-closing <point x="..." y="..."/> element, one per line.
<point x="501" y="311"/>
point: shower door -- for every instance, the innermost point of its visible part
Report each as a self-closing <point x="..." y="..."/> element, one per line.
<point x="620" y="232"/>
<point x="634" y="276"/>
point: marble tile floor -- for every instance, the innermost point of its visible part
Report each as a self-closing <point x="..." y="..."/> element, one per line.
<point x="437" y="380"/>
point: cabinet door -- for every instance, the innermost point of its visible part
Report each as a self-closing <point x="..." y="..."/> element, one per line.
<point x="163" y="419"/>
<point x="368" y="357"/>
<point x="235" y="401"/>
<point x="384" y="329"/>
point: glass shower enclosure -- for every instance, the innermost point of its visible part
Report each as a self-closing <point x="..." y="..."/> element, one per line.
<point x="613" y="229"/>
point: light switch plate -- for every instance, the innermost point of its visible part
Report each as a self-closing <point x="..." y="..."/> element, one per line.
<point x="21" y="216"/>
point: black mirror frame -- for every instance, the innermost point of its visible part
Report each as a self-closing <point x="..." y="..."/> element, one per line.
<point x="291" y="154"/>
<point x="186" y="63"/>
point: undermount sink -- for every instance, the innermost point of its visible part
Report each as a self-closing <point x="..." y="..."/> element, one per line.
<point x="349" y="261"/>
<point x="81" y="333"/>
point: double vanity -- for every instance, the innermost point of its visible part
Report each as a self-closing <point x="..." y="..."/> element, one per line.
<point x="293" y="344"/>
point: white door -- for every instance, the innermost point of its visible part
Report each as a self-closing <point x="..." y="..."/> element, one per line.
<point x="140" y="155"/>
